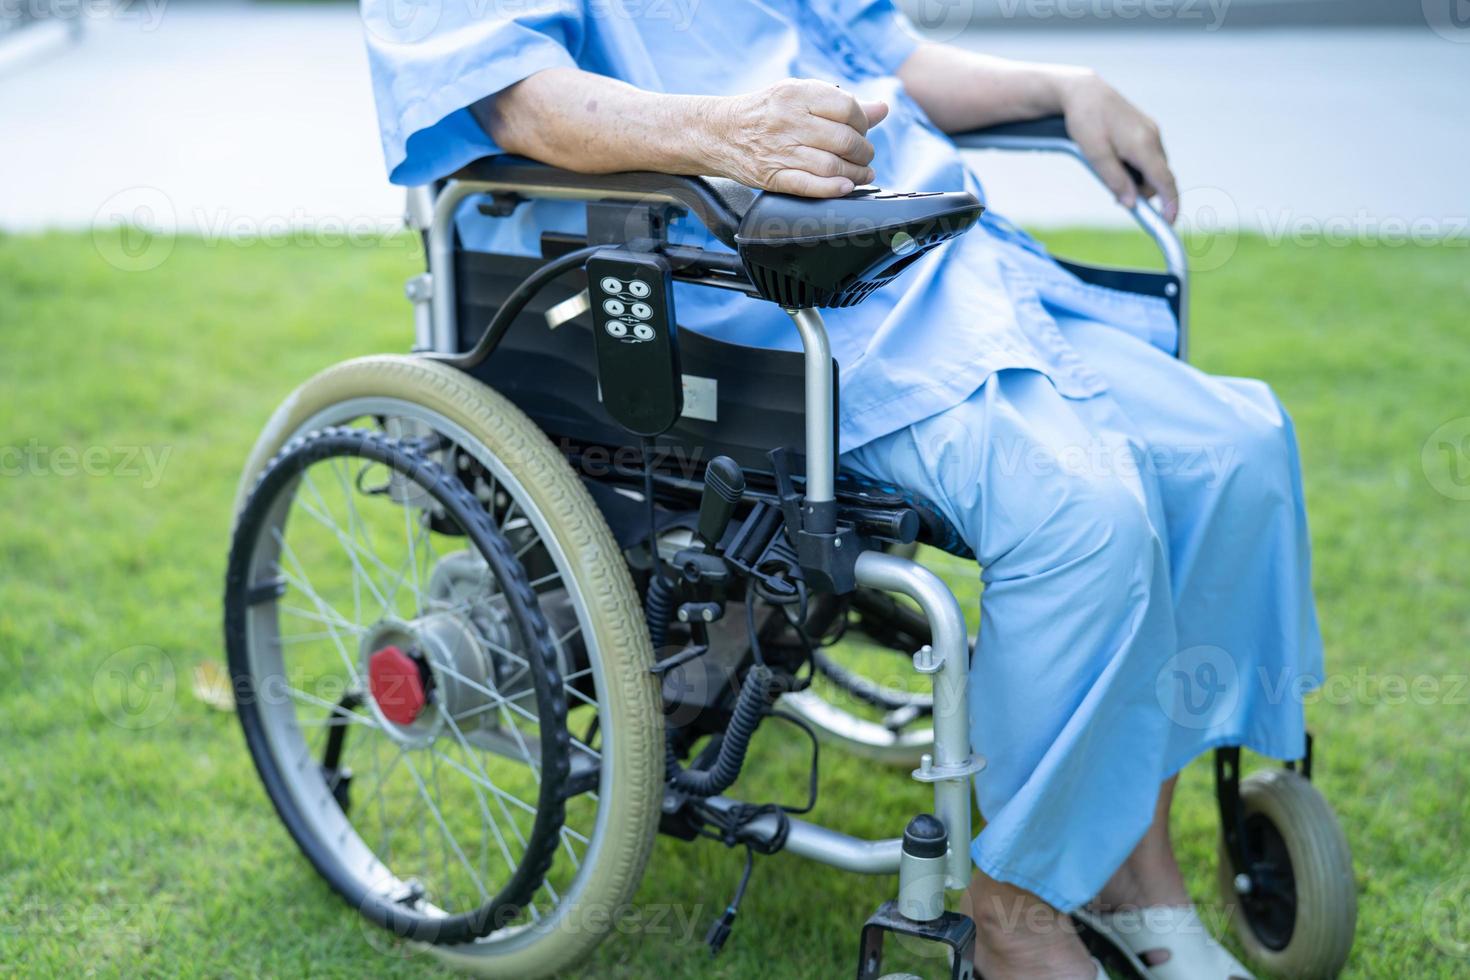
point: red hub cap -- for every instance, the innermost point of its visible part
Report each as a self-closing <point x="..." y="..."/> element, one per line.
<point x="396" y="685"/>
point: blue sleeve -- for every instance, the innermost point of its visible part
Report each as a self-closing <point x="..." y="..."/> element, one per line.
<point x="878" y="28"/>
<point x="429" y="62"/>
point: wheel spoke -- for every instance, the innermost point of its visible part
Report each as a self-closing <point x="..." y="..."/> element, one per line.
<point x="444" y="828"/>
<point x="352" y="551"/>
<point x="413" y="560"/>
<point x="323" y="607"/>
<point x="503" y="703"/>
<point x="544" y="579"/>
<point x="348" y="544"/>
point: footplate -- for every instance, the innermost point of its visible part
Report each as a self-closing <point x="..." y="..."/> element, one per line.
<point x="952" y="929"/>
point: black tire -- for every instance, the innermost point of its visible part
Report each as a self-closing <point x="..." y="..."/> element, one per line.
<point x="242" y="592"/>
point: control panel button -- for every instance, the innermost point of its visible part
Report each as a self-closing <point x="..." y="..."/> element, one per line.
<point x="617" y="328"/>
<point x="611" y="284"/>
<point x="643" y="331"/>
<point x="613" y="307"/>
<point x="642" y="311"/>
<point x="639" y="288"/>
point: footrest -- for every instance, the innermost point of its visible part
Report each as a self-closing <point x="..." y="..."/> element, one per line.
<point x="952" y="929"/>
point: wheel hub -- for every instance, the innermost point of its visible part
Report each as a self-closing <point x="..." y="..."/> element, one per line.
<point x="423" y="670"/>
<point x="398" y="683"/>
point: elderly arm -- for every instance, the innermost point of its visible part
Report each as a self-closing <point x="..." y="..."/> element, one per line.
<point x="962" y="90"/>
<point x="798" y="136"/>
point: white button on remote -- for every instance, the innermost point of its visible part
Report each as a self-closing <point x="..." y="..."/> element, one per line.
<point x="616" y="328"/>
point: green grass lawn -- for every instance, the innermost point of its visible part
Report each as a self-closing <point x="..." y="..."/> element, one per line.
<point x="137" y="841"/>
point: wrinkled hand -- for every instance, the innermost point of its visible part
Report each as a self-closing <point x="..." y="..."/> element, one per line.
<point x="799" y="136"/>
<point x="1111" y="132"/>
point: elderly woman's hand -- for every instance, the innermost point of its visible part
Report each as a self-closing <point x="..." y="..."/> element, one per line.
<point x="1111" y="132"/>
<point x="798" y="136"/>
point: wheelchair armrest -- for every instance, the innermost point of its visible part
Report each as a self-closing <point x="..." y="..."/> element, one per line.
<point x="717" y="202"/>
<point x="1003" y="135"/>
<point x="1049" y="135"/>
<point x="799" y="252"/>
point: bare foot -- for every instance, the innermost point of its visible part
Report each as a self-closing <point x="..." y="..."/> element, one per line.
<point x="1150" y="876"/>
<point x="1017" y="935"/>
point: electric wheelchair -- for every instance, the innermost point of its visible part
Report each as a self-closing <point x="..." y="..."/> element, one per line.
<point x="500" y="611"/>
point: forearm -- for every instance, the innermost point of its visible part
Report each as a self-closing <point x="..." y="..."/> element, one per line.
<point x="594" y="124"/>
<point x="962" y="90"/>
<point x="797" y="136"/>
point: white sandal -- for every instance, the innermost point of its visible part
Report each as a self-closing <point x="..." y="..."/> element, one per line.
<point x="1194" y="954"/>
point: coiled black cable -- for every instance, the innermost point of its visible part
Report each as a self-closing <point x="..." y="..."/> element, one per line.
<point x="750" y="707"/>
<point x="658" y="609"/>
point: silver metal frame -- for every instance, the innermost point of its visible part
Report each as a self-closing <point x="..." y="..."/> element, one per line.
<point x="439" y="212"/>
<point x="947" y="662"/>
<point x="819" y="408"/>
<point x="1148" y="218"/>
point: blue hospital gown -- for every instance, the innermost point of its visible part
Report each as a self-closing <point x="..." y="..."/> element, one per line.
<point x="1130" y="599"/>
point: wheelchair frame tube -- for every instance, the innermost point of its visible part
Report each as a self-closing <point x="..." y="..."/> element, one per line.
<point x="952" y="763"/>
<point x="1162" y="233"/>
<point x="949" y="769"/>
<point x="817" y="843"/>
<point x="820" y="411"/>
<point x="445" y="330"/>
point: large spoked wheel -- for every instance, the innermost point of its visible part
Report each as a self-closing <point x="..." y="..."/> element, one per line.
<point x="1302" y="923"/>
<point x="443" y="668"/>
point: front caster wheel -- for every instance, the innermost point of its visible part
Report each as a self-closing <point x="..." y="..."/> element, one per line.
<point x="1302" y="926"/>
